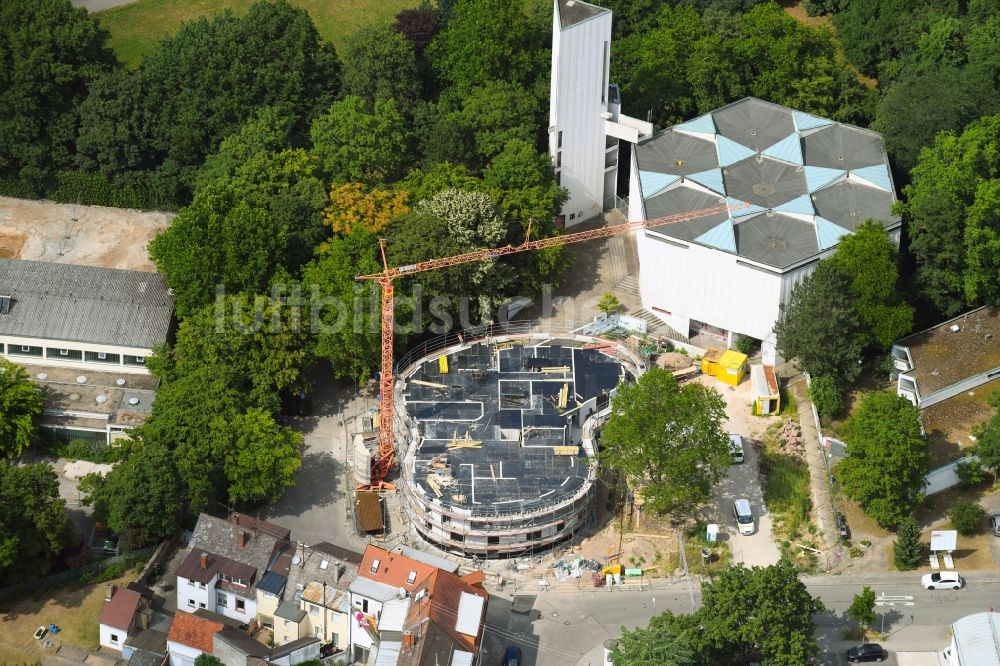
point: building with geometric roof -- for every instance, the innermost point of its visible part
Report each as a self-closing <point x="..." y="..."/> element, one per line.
<point x="794" y="183"/>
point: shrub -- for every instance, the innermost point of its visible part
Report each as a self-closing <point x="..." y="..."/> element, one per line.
<point x="970" y="473"/>
<point x="856" y="551"/>
<point x="743" y="344"/>
<point x="967" y="517"/>
<point x="609" y="304"/>
<point x="825" y="395"/>
<point x="907" y="550"/>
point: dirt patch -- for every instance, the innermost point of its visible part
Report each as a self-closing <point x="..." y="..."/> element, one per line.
<point x="673" y="361"/>
<point x="951" y="423"/>
<point x="82" y="235"/>
<point x="796" y="9"/>
<point x="74" y="610"/>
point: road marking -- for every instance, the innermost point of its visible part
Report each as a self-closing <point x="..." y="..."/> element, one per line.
<point x="894" y="600"/>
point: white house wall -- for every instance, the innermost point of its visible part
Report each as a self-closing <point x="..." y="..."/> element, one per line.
<point x="579" y="97"/>
<point x="182" y="655"/>
<point x="107" y="632"/>
<point x="229" y="610"/>
<point x="200" y="596"/>
<point x="690" y="281"/>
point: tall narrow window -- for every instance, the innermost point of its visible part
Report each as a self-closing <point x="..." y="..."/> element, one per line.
<point x="604" y="74"/>
<point x="559" y="140"/>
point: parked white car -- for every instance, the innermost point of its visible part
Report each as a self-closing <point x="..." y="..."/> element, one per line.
<point x="942" y="580"/>
<point x="744" y="517"/>
<point x="735" y="448"/>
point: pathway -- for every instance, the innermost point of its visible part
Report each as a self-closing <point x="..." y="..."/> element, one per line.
<point x="816" y="458"/>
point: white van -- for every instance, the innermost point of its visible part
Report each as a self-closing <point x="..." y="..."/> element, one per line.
<point x="744" y="517"/>
<point x="735" y="448"/>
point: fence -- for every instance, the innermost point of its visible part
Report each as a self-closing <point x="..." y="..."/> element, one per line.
<point x="64" y="577"/>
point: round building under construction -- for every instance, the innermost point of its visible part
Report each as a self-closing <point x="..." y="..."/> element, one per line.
<point x="496" y="439"/>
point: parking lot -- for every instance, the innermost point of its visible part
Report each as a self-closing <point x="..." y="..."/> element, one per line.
<point x="743" y="481"/>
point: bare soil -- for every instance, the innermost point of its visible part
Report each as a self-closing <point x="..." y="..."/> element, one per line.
<point x="82" y="235"/>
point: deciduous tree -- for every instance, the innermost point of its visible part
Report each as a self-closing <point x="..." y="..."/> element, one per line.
<point x="819" y="325"/>
<point x="907" y="550"/>
<point x="987" y="446"/>
<point x="862" y="607"/>
<point x="967" y="517"/>
<point x="261" y="458"/>
<point x="50" y="52"/>
<point x="379" y="63"/>
<point x="942" y="193"/>
<point x="358" y="143"/>
<point x="344" y="316"/>
<point x="34" y="525"/>
<point x="140" y="498"/>
<point x="667" y="440"/>
<point x="20" y="406"/>
<point x="356" y="207"/>
<point x="664" y="642"/>
<point x="868" y="257"/>
<point x="887" y="458"/>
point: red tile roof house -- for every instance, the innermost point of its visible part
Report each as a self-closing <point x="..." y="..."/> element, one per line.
<point x="118" y="616"/>
<point x="190" y="636"/>
<point x="227" y="560"/>
<point x="411" y="608"/>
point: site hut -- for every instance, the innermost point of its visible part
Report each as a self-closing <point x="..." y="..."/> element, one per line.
<point x="586" y="125"/>
<point x="499" y="451"/>
<point x="83" y="333"/>
<point x="795" y="185"/>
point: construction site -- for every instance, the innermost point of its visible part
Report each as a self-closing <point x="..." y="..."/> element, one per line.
<point x="497" y="439"/>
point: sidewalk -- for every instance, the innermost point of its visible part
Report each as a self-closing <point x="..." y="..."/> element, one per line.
<point x="816" y="458"/>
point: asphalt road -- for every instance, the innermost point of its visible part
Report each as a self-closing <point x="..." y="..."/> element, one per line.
<point x="569" y="627"/>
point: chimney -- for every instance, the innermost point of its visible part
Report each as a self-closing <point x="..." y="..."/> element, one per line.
<point x="243" y="539"/>
<point x="109" y="591"/>
<point x="408" y="640"/>
<point x="204" y="561"/>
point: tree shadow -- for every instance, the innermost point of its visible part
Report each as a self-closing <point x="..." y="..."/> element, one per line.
<point x="317" y="485"/>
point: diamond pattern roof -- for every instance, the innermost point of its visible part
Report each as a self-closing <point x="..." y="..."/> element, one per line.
<point x="803" y="181"/>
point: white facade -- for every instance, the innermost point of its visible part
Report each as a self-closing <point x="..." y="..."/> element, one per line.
<point x="192" y="595"/>
<point x="584" y="123"/>
<point x="66" y="354"/>
<point x="182" y="655"/>
<point x="112" y="637"/>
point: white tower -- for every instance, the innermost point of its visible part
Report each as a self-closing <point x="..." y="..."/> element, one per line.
<point x="584" y="120"/>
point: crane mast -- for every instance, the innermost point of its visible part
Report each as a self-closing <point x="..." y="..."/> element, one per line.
<point x="386" y="459"/>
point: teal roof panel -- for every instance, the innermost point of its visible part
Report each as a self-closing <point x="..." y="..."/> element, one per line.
<point x="802" y="205"/>
<point x="805" y="121"/>
<point x="731" y="152"/>
<point x="712" y="179"/>
<point x="828" y="234"/>
<point x="721" y="237"/>
<point x="877" y="175"/>
<point x="788" y="149"/>
<point x="817" y="177"/>
<point x="653" y="182"/>
<point x="703" y="124"/>
<point x="750" y="209"/>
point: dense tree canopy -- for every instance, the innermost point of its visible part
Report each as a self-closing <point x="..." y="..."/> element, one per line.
<point x="379" y="63"/>
<point x="20" y="406"/>
<point x="200" y="86"/>
<point x="34" y="525"/>
<point x="140" y="498"/>
<point x="951" y="210"/>
<point x="261" y="458"/>
<point x="356" y="142"/>
<point x="49" y="52"/>
<point x="869" y="257"/>
<point x="886" y="458"/>
<point x="761" y="612"/>
<point x="667" y="440"/>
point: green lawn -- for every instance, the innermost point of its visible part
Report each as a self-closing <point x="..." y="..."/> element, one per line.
<point x="136" y="29"/>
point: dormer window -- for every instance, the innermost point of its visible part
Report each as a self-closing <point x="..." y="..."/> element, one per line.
<point x="375" y="564"/>
<point x="412" y="578"/>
